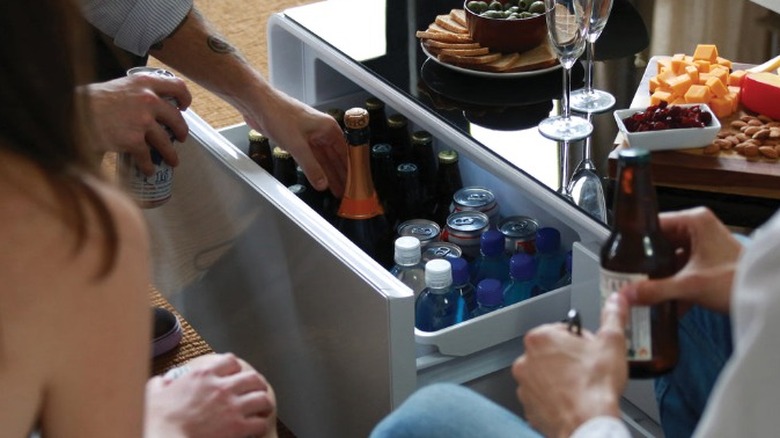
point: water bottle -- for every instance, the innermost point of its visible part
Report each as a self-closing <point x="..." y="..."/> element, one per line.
<point x="549" y="258"/>
<point x="437" y="306"/>
<point x="489" y="297"/>
<point x="522" y="285"/>
<point x="408" y="267"/>
<point x="566" y="279"/>
<point x="492" y="261"/>
<point x="464" y="287"/>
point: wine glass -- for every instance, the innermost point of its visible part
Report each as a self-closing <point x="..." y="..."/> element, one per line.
<point x="589" y="99"/>
<point x="585" y="188"/>
<point x="567" y="26"/>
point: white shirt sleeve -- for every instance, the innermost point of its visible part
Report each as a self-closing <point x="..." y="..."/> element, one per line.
<point x="136" y="25"/>
<point x="602" y="427"/>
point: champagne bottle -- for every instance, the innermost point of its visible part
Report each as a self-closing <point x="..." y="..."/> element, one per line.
<point x="260" y="150"/>
<point x="637" y="250"/>
<point x="360" y="214"/>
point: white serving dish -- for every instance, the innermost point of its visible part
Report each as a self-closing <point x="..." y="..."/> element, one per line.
<point x="668" y="139"/>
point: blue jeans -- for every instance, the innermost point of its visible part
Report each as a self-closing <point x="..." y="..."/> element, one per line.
<point x="705" y="346"/>
<point x="445" y="410"/>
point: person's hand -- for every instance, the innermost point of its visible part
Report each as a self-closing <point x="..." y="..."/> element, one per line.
<point x="708" y="254"/>
<point x="126" y="114"/>
<point x="220" y="396"/>
<point x="564" y="379"/>
<point x="312" y="137"/>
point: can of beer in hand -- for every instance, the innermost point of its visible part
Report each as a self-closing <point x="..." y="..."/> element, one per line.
<point x="153" y="190"/>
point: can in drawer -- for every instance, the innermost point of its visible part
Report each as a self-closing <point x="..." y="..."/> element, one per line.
<point x="425" y="230"/>
<point x="519" y="234"/>
<point x="477" y="198"/>
<point x="441" y="250"/>
<point x="465" y="228"/>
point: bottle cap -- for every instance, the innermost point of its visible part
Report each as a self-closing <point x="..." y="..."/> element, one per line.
<point x="421" y="137"/>
<point x="373" y="103"/>
<point x="489" y="292"/>
<point x="280" y="153"/>
<point x="356" y="118"/>
<point x="381" y="150"/>
<point x="407" y="169"/>
<point x="397" y="120"/>
<point x="522" y="266"/>
<point x="407" y="250"/>
<point x="491" y="243"/>
<point x="448" y="156"/>
<point x="548" y="239"/>
<point x="438" y="274"/>
<point x="460" y="270"/>
<point x="634" y="155"/>
<point x="256" y="136"/>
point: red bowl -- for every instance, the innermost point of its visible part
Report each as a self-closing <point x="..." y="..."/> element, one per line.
<point x="504" y="35"/>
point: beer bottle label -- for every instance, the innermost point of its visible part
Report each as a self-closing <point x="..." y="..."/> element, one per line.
<point x="639" y="340"/>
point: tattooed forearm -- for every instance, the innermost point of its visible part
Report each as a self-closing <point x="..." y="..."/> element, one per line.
<point x="219" y="45"/>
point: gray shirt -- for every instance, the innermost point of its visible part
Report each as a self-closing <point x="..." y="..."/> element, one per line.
<point x="136" y="25"/>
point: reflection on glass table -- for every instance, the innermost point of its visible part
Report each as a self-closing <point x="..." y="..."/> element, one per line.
<point x="589" y="99"/>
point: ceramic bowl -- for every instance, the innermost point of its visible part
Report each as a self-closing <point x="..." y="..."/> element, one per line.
<point x="667" y="139"/>
<point x="506" y="35"/>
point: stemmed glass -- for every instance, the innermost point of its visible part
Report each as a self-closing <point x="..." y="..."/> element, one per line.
<point x="567" y="27"/>
<point x="589" y="99"/>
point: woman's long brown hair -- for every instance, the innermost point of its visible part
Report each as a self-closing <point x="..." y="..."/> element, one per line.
<point x="46" y="52"/>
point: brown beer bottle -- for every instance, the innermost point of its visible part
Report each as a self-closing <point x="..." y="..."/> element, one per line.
<point x="260" y="150"/>
<point x="448" y="181"/>
<point x="637" y="250"/>
<point x="284" y="167"/>
<point x="377" y="120"/>
<point x="360" y="216"/>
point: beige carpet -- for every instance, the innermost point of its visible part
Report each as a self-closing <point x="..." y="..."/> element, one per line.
<point x="243" y="23"/>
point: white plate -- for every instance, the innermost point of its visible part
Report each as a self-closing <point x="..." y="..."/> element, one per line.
<point x="489" y="74"/>
<point x="668" y="139"/>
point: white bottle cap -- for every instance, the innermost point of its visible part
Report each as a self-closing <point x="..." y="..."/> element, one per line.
<point x="438" y="274"/>
<point x="407" y="250"/>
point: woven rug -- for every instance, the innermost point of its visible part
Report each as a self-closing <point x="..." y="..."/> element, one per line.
<point x="192" y="345"/>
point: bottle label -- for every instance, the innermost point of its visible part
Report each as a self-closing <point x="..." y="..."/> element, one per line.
<point x="639" y="340"/>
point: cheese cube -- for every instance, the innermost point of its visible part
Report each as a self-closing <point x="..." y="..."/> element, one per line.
<point x="734" y="99"/>
<point x="679" y="84"/>
<point x="702" y="64"/>
<point x="724" y="62"/>
<point x="661" y="96"/>
<point x="721" y="73"/>
<point x="703" y="77"/>
<point x="664" y="64"/>
<point x="736" y="77"/>
<point x="665" y="76"/>
<point x="653" y="84"/>
<point x="717" y="87"/>
<point x="722" y="107"/>
<point x="693" y="72"/>
<point x="697" y="94"/>
<point x="706" y="52"/>
<point x="678" y="101"/>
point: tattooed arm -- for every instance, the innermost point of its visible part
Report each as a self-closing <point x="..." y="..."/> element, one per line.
<point x="197" y="51"/>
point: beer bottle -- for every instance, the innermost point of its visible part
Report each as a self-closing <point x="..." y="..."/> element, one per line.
<point x="260" y="150"/>
<point x="284" y="167"/>
<point x="637" y="250"/>
<point x="385" y="180"/>
<point x="338" y="114"/>
<point x="411" y="200"/>
<point x="399" y="138"/>
<point x="424" y="158"/>
<point x="448" y="181"/>
<point x="360" y="214"/>
<point x="377" y="121"/>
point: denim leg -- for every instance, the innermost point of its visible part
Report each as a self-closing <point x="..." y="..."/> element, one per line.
<point x="445" y="410"/>
<point x="705" y="346"/>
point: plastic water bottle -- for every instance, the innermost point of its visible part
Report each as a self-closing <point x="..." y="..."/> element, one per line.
<point x="492" y="261"/>
<point x="522" y="285"/>
<point x="489" y="297"/>
<point x="437" y="305"/>
<point x="549" y="258"/>
<point x="408" y="267"/>
<point x="566" y="279"/>
<point x="463" y="286"/>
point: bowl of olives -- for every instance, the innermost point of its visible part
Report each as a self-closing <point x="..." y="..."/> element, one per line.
<point x="506" y="25"/>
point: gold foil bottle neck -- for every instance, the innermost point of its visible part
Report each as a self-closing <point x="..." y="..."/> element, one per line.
<point x="356" y="118"/>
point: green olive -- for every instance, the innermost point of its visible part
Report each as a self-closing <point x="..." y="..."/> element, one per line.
<point x="477" y="6"/>
<point x="496" y="6"/>
<point x="537" y="7"/>
<point x="523" y="4"/>
<point x="493" y="14"/>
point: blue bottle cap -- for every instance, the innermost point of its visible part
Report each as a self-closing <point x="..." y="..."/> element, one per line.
<point x="489" y="292"/>
<point x="460" y="270"/>
<point x="492" y="242"/>
<point x="548" y="239"/>
<point x="522" y="266"/>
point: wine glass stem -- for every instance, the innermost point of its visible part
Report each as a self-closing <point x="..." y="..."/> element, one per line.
<point x="566" y="92"/>
<point x="590" y="55"/>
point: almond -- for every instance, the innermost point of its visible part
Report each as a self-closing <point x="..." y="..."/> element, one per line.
<point x="712" y="149"/>
<point x="768" y="151"/>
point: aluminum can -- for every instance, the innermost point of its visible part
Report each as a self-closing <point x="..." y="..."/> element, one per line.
<point x="441" y="250"/>
<point x="519" y="234"/>
<point x="465" y="228"/>
<point x="154" y="190"/>
<point x="425" y="230"/>
<point x="477" y="198"/>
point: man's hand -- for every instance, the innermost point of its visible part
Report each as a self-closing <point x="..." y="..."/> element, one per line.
<point x="564" y="379"/>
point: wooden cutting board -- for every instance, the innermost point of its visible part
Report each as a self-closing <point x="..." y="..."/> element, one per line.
<point x="724" y="172"/>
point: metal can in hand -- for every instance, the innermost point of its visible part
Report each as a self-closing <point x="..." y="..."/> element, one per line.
<point x="153" y="190"/>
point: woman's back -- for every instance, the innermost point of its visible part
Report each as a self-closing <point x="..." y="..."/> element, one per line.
<point x="72" y="319"/>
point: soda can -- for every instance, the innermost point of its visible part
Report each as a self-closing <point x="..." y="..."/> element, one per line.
<point x="441" y="250"/>
<point x="465" y="228"/>
<point x="425" y="230"/>
<point x="519" y="234"/>
<point x="477" y="198"/>
<point x="153" y="190"/>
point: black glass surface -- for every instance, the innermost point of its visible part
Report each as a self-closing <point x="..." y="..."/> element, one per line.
<point x="496" y="103"/>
